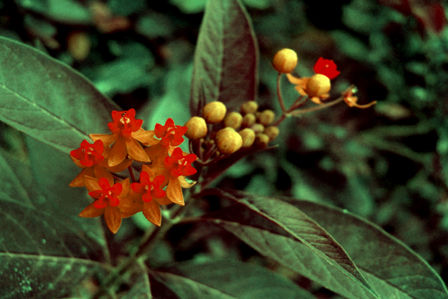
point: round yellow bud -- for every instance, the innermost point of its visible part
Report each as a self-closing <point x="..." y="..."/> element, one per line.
<point x="249" y="107"/>
<point x="272" y="132"/>
<point x="196" y="128"/>
<point x="233" y="120"/>
<point x="318" y="85"/>
<point x="262" y="139"/>
<point x="248" y="136"/>
<point x="249" y="120"/>
<point x="228" y="141"/>
<point x="285" y="60"/>
<point x="266" y="117"/>
<point x="258" y="128"/>
<point x="214" y="112"/>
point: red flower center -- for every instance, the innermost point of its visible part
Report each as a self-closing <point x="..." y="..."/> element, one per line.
<point x="124" y="122"/>
<point x="178" y="164"/>
<point x="148" y="188"/>
<point x="170" y="133"/>
<point x="89" y="154"/>
<point x="326" y="67"/>
<point x="107" y="195"/>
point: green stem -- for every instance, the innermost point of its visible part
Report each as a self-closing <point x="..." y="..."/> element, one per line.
<point x="279" y="93"/>
<point x="316" y="108"/>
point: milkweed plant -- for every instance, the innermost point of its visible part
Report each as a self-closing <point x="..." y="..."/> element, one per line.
<point x="111" y="167"/>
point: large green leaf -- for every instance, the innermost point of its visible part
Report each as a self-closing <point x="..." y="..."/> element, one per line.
<point x="46" y="249"/>
<point x="276" y="227"/>
<point x="225" y="279"/>
<point x="391" y="268"/>
<point x="48" y="100"/>
<point x="284" y="233"/>
<point x="226" y="57"/>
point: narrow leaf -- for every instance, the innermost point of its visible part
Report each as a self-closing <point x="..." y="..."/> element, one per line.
<point x="226" y="57"/>
<point x="47" y="99"/>
<point x="226" y="279"/>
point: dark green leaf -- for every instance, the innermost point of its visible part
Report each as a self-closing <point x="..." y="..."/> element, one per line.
<point x="46" y="249"/>
<point x="284" y="233"/>
<point x="226" y="57"/>
<point x="139" y="284"/>
<point x="226" y="279"/>
<point x="48" y="100"/>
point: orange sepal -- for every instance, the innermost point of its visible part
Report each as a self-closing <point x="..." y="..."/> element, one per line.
<point x="174" y="192"/>
<point x="136" y="151"/>
<point x="112" y="216"/>
<point x="91" y="183"/>
<point x="130" y="204"/>
<point x="78" y="181"/>
<point x="151" y="211"/>
<point x="120" y="167"/>
<point x="118" y="152"/>
<point x="101" y="172"/>
<point x="145" y="137"/>
<point x="107" y="139"/>
<point x="90" y="211"/>
<point x="163" y="201"/>
<point x="184" y="183"/>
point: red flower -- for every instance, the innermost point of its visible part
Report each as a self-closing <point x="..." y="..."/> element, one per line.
<point x="89" y="154"/>
<point x="107" y="195"/>
<point x="178" y="164"/>
<point x="124" y="122"/>
<point x="326" y="67"/>
<point x="170" y="133"/>
<point x="148" y="188"/>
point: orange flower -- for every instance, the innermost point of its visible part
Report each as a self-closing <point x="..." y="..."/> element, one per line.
<point x="107" y="197"/>
<point x="126" y="137"/>
<point x="351" y="100"/>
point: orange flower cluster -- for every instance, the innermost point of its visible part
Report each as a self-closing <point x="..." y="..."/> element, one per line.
<point x="162" y="177"/>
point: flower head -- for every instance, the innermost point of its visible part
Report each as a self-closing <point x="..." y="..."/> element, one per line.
<point x="351" y="100"/>
<point x="149" y="188"/>
<point x="89" y="154"/>
<point x="124" y="123"/>
<point x="179" y="164"/>
<point x="170" y="134"/>
<point x="107" y="195"/>
<point x="326" y="67"/>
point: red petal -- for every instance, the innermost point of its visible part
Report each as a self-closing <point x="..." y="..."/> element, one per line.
<point x="104" y="183"/>
<point x="137" y="187"/>
<point x="146" y="197"/>
<point x="100" y="204"/>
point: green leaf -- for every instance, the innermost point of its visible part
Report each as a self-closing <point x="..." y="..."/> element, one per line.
<point x="391" y="268"/>
<point x="46" y="249"/>
<point x="48" y="100"/>
<point x="226" y="279"/>
<point x="140" y="285"/>
<point x="284" y="233"/>
<point x="226" y="57"/>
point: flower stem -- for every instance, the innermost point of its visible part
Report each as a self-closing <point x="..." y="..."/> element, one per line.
<point x="279" y="93"/>
<point x="131" y="173"/>
<point x="316" y="108"/>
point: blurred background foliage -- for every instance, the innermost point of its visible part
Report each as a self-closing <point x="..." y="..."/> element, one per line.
<point x="388" y="163"/>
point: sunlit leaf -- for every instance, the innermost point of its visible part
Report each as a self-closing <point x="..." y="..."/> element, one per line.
<point x="226" y="57"/>
<point x="225" y="279"/>
<point x="46" y="250"/>
<point x="48" y="100"/>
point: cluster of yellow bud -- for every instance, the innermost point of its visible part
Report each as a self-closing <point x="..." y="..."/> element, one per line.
<point x="231" y="131"/>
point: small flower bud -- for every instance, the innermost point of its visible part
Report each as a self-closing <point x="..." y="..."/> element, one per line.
<point x="249" y="120"/>
<point x="228" y="141"/>
<point x="272" y="132"/>
<point x="233" y="120"/>
<point x="285" y="60"/>
<point x="78" y="44"/>
<point x="196" y="128"/>
<point x="214" y="112"/>
<point x="249" y="107"/>
<point x="258" y="128"/>
<point x="248" y="136"/>
<point x="262" y="139"/>
<point x="318" y="85"/>
<point x="266" y="117"/>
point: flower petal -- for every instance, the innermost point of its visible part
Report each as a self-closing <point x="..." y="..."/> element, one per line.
<point x="151" y="211"/>
<point x="112" y="216"/>
<point x="91" y="183"/>
<point x="184" y="183"/>
<point x="118" y="152"/>
<point x="101" y="172"/>
<point x="163" y="201"/>
<point x="120" y="167"/>
<point x="90" y="211"/>
<point x="174" y="192"/>
<point x="107" y="139"/>
<point x="130" y="205"/>
<point x="78" y="181"/>
<point x="145" y="137"/>
<point x="136" y="151"/>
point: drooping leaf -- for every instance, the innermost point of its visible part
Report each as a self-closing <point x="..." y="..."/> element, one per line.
<point x="284" y="233"/>
<point x="46" y="250"/>
<point x="47" y="99"/>
<point x="225" y="279"/>
<point x="226" y="57"/>
<point x="391" y="268"/>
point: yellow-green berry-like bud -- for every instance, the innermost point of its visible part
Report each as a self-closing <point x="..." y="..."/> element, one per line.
<point x="266" y="117"/>
<point x="248" y="136"/>
<point x="318" y="85"/>
<point x="262" y="139"/>
<point x="285" y="60"/>
<point x="249" y="107"/>
<point x="233" y="120"/>
<point x="258" y="128"/>
<point x="214" y="112"/>
<point x="249" y="120"/>
<point x="228" y="141"/>
<point x="272" y="132"/>
<point x="196" y="128"/>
